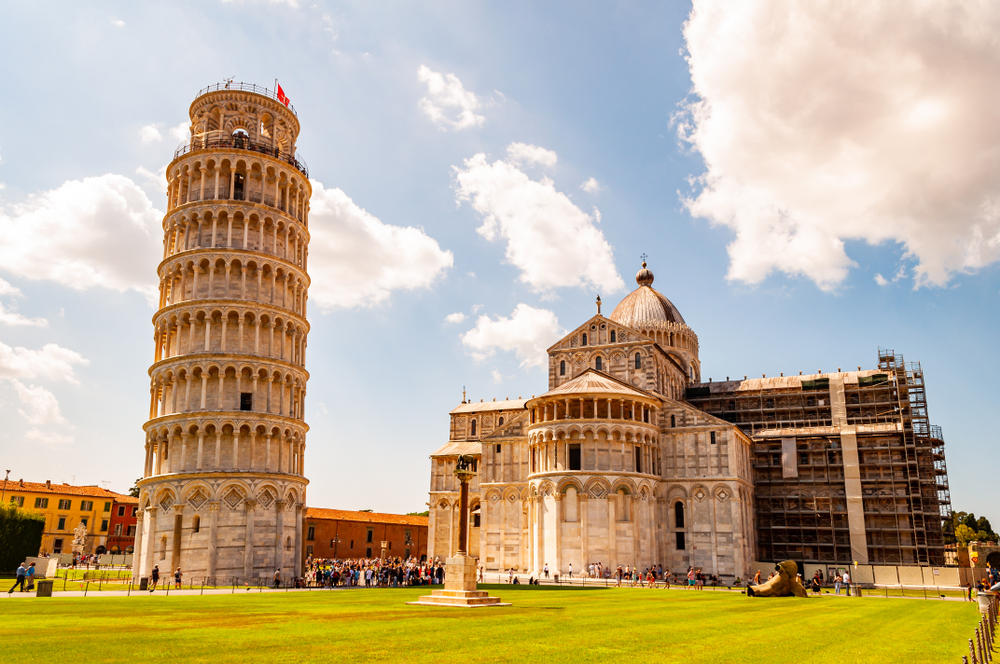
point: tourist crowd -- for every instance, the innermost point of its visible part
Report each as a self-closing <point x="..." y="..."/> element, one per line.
<point x="372" y="572"/>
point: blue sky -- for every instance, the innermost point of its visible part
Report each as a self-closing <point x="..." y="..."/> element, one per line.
<point x="807" y="190"/>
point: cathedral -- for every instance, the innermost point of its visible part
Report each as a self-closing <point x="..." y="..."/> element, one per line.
<point x="610" y="465"/>
<point x="630" y="458"/>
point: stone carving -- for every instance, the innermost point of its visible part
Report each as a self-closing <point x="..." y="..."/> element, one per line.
<point x="783" y="584"/>
<point x="197" y="499"/>
<point x="233" y="498"/>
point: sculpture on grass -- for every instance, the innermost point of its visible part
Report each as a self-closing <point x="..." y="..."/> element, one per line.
<point x="783" y="584"/>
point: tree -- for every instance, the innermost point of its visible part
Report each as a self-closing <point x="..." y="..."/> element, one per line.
<point x="971" y="529"/>
<point x="20" y="536"/>
<point x="424" y="513"/>
<point x="134" y="491"/>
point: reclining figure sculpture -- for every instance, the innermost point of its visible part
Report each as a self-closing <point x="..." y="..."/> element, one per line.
<point x="783" y="584"/>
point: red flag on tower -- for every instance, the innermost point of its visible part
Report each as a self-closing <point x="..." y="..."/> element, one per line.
<point x="281" y="96"/>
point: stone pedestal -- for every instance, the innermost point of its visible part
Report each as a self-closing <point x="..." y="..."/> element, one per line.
<point x="459" y="587"/>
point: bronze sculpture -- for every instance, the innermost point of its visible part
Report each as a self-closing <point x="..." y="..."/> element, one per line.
<point x="783" y="584"/>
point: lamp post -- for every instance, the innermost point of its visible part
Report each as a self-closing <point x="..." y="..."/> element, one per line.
<point x="3" y="494"/>
<point x="464" y="473"/>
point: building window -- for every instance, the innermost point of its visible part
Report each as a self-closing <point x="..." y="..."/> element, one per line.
<point x="638" y="361"/>
<point x="673" y="421"/>
<point x="638" y="459"/>
<point x="352" y="545"/>
<point x="613" y="336"/>
<point x="408" y="538"/>
<point x="86" y="505"/>
<point x="17" y="501"/>
<point x="406" y="553"/>
<point x="371" y="536"/>
<point x="597" y="363"/>
<point x="57" y="545"/>
<point x="645" y="416"/>
<point x="473" y="428"/>
<point x="309" y="550"/>
<point x="104" y="525"/>
<point x="135" y="511"/>
<point x="584" y="340"/>
<point x="84" y="521"/>
<point x="499" y="448"/>
<point x="131" y="531"/>
<point x="680" y="541"/>
<point x="311" y="534"/>
<point x="196" y="525"/>
<point x="288" y="543"/>
<point x="368" y="552"/>
<point x="562" y="367"/>
<point x="41" y="503"/>
<point x="107" y="507"/>
<point x="712" y="437"/>
<point x="679" y="516"/>
<point x="500" y="421"/>
<point x="574" y="457"/>
<point x="65" y="504"/>
<point x="118" y="530"/>
<point x="121" y="510"/>
<point x="61" y="525"/>
<point x="246" y="401"/>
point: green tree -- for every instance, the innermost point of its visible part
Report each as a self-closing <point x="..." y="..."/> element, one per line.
<point x="20" y="536"/>
<point x="424" y="513"/>
<point x="134" y="491"/>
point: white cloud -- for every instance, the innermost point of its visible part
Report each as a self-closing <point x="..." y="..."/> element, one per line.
<point x="357" y="260"/>
<point x="36" y="436"/>
<point x="40" y="405"/>
<point x="524" y="154"/>
<point x="118" y="23"/>
<point x="456" y="317"/>
<point x="14" y="318"/>
<point x="880" y="280"/>
<point x="100" y="231"/>
<point x="528" y="333"/>
<point x="553" y="242"/>
<point x="6" y="288"/>
<point x="591" y="186"/>
<point x="51" y="361"/>
<point x="822" y="122"/>
<point x="445" y="91"/>
<point x="181" y="132"/>
<point x="497" y="376"/>
<point x="150" y="134"/>
<point x="157" y="180"/>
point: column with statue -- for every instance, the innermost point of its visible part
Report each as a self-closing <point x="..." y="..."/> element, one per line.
<point x="460" y="587"/>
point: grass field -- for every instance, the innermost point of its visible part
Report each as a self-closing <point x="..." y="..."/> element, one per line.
<point x="559" y="625"/>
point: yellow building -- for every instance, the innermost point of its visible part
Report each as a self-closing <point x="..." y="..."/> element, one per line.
<point x="64" y="507"/>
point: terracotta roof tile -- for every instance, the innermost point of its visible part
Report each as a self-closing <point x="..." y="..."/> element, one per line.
<point x="60" y="489"/>
<point x="365" y="517"/>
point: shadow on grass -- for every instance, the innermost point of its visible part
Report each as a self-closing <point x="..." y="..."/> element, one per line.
<point x="519" y="586"/>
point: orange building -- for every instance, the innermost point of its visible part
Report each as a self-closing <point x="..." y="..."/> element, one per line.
<point x="345" y="534"/>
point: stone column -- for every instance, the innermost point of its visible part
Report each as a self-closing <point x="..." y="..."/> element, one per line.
<point x="213" y="529"/>
<point x="175" y="557"/>
<point x="138" y="549"/>
<point x="279" y="526"/>
<point x="582" y="502"/>
<point x="299" y="515"/>
<point x="612" y="531"/>
<point x="559" y="520"/>
<point x="248" y="561"/>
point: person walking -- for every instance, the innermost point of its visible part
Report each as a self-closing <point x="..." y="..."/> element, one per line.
<point x="277" y="578"/>
<point x="21" y="572"/>
<point x="690" y="577"/>
<point x="155" y="578"/>
<point x="29" y="576"/>
<point x="570" y="570"/>
<point x="545" y="569"/>
<point x="837" y="581"/>
<point x="847" y="582"/>
<point x="177" y="579"/>
<point x="666" y="579"/>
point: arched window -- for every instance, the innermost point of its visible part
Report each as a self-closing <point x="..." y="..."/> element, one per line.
<point x="570" y="510"/>
<point x="288" y="543"/>
<point x="613" y="336"/>
<point x="673" y="421"/>
<point x="638" y="361"/>
<point x="196" y="526"/>
<point x="562" y="367"/>
<point x="473" y="429"/>
<point x="597" y="363"/>
<point x="584" y="339"/>
<point x="624" y="505"/>
<point x="679" y="514"/>
<point x="500" y="421"/>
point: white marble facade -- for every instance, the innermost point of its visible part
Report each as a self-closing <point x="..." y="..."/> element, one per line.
<point x="610" y="465"/>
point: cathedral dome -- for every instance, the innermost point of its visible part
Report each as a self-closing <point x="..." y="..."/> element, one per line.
<point x="646" y="308"/>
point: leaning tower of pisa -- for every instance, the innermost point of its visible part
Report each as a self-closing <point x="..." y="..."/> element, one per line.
<point x="223" y="488"/>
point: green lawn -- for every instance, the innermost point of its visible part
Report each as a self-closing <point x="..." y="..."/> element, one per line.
<point x="559" y="625"/>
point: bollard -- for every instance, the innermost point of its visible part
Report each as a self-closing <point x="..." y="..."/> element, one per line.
<point x="972" y="651"/>
<point x="86" y="588"/>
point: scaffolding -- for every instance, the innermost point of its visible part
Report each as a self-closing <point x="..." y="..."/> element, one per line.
<point x="801" y="513"/>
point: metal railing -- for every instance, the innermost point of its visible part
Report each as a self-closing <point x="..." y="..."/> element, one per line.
<point x="246" y="87"/>
<point x="981" y="647"/>
<point x="240" y="142"/>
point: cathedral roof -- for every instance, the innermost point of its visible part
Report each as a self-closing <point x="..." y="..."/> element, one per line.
<point x="488" y="406"/>
<point x="458" y="448"/>
<point x="593" y="381"/>
<point x="646" y="308"/>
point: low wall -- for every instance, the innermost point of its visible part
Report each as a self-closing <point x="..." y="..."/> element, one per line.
<point x="886" y="575"/>
<point x="45" y="568"/>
